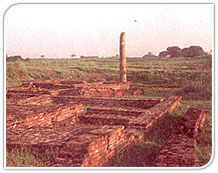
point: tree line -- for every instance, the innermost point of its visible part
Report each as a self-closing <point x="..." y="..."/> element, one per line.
<point x="175" y="51"/>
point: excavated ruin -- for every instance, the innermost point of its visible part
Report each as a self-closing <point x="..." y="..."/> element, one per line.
<point x="180" y="148"/>
<point x="90" y="130"/>
<point x="88" y="124"/>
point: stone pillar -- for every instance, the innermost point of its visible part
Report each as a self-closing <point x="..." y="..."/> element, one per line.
<point x="123" y="78"/>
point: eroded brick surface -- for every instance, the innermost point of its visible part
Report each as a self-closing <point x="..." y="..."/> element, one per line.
<point x="150" y="116"/>
<point x="178" y="151"/>
<point x="77" y="146"/>
<point x="142" y="118"/>
<point x="180" y="148"/>
<point x="22" y="117"/>
<point x="36" y="100"/>
<point x="104" y="148"/>
<point x="76" y="88"/>
<point x="39" y="120"/>
<point x="87" y="125"/>
<point x="129" y="103"/>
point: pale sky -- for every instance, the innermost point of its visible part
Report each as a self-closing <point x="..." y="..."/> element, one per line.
<point x="57" y="31"/>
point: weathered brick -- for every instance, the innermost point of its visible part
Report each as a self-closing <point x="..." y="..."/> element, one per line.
<point x="180" y="148"/>
<point x="26" y="116"/>
<point x="44" y="115"/>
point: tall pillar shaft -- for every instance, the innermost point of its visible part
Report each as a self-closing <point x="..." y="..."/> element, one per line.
<point x="123" y="71"/>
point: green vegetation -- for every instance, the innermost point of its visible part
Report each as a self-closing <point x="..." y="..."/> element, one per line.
<point x="189" y="77"/>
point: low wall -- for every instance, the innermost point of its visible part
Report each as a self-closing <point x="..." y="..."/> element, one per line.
<point x="79" y="146"/>
<point x="180" y="149"/>
<point x="26" y="116"/>
<point x="101" y="150"/>
<point x="150" y="116"/>
<point x="110" y="102"/>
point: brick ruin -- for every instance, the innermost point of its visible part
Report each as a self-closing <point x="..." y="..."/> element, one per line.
<point x="180" y="148"/>
<point x="87" y="124"/>
<point x="90" y="130"/>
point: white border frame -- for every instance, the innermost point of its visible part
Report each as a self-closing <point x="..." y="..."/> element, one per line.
<point x="111" y="168"/>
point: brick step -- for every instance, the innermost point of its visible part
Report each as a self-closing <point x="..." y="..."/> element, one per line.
<point x="146" y="119"/>
<point x="109" y="102"/>
<point x="114" y="111"/>
<point x="103" y="119"/>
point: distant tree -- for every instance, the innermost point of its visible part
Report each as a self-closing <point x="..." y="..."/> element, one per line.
<point x="174" y="51"/>
<point x="193" y="51"/>
<point x="73" y="55"/>
<point x="27" y="59"/>
<point x="197" y="50"/>
<point x="186" y="52"/>
<point x="150" y="53"/>
<point x="15" y="58"/>
<point x="42" y="56"/>
<point x="164" y="54"/>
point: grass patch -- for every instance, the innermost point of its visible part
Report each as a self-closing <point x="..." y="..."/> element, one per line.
<point x="17" y="158"/>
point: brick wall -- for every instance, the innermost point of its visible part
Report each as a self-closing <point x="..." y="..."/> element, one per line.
<point x="101" y="150"/>
<point x="180" y="148"/>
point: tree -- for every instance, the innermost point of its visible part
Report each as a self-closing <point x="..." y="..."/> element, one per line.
<point x="174" y="51"/>
<point x="163" y="54"/>
<point x="197" y="50"/>
<point x="186" y="52"/>
<point x="193" y="51"/>
<point x="149" y="55"/>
